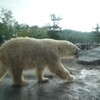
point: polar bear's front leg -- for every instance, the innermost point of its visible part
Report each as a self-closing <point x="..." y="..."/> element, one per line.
<point x="39" y="74"/>
<point x="61" y="71"/>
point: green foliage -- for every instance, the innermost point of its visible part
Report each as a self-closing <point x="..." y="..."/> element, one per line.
<point x="54" y="30"/>
<point x="54" y="34"/>
<point x="10" y="28"/>
<point x="1" y="39"/>
<point x="33" y="31"/>
<point x="6" y="17"/>
<point x="76" y="36"/>
<point x="6" y="24"/>
<point x="5" y="32"/>
<point x="96" y="34"/>
<point x="38" y="32"/>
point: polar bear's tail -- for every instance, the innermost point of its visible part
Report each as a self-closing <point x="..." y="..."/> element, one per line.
<point x="3" y="71"/>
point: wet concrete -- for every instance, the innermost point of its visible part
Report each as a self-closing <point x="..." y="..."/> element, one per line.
<point x="86" y="86"/>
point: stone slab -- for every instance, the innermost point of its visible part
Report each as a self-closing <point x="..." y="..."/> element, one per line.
<point x="90" y="56"/>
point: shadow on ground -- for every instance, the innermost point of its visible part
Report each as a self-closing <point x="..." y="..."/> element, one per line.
<point x="86" y="86"/>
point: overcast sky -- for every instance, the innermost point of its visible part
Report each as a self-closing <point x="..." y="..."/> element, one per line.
<point x="80" y="15"/>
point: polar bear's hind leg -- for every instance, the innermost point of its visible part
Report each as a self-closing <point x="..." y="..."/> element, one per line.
<point x="18" y="79"/>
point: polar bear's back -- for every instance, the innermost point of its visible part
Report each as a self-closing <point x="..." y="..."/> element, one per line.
<point x="27" y="51"/>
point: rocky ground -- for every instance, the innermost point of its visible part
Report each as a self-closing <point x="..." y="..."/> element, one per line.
<point x="86" y="86"/>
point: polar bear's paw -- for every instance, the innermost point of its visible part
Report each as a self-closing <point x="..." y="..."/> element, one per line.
<point x="43" y="80"/>
<point x="71" y="78"/>
<point x="23" y="83"/>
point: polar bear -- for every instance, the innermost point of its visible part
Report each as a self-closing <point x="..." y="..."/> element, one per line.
<point x="22" y="53"/>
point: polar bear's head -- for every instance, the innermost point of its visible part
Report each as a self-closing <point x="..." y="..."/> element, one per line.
<point x="67" y="48"/>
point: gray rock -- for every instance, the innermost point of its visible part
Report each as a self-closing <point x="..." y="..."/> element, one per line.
<point x="90" y="56"/>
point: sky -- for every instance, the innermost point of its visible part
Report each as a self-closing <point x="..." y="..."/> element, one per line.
<point x="80" y="15"/>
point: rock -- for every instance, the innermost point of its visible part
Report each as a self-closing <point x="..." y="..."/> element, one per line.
<point x="90" y="56"/>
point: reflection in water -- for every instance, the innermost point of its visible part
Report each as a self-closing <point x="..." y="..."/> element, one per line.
<point x="85" y="87"/>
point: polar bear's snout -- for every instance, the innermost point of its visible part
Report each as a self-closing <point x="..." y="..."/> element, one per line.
<point x="78" y="50"/>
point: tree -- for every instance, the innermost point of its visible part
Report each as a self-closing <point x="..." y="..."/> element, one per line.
<point x="38" y="32"/>
<point x="8" y="21"/>
<point x="54" y="29"/>
<point x="96" y="34"/>
<point x="6" y="17"/>
<point x="55" y="21"/>
<point x="2" y="30"/>
<point x="21" y="30"/>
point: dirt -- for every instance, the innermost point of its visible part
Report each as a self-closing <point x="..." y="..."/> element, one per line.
<point x="86" y="86"/>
